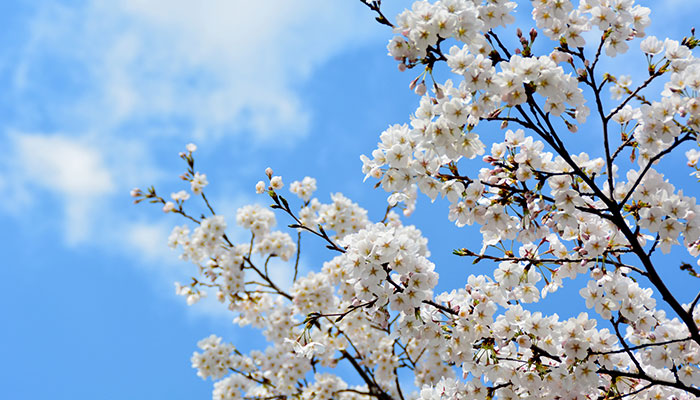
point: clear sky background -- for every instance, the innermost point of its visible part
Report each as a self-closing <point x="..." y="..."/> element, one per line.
<point x="99" y="97"/>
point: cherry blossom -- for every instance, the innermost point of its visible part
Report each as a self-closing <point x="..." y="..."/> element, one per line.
<point x="550" y="215"/>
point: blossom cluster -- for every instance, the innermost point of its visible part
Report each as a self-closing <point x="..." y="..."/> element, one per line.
<point x="380" y="252"/>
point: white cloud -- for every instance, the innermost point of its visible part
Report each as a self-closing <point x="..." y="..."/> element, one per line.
<point x="71" y="171"/>
<point x="210" y="67"/>
<point x="80" y="182"/>
<point x="63" y="165"/>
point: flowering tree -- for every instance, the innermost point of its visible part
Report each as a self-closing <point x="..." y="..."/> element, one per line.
<point x="546" y="215"/>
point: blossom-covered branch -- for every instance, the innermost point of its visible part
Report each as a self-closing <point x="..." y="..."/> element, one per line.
<point x="549" y="214"/>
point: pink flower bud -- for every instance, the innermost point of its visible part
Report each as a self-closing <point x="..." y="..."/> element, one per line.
<point x="413" y="84"/>
<point x="438" y="91"/>
<point x="421" y="89"/>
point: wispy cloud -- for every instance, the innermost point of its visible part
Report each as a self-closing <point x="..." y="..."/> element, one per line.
<point x="79" y="182"/>
<point x="72" y="172"/>
<point x="217" y="67"/>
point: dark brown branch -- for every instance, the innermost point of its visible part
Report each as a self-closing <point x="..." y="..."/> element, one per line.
<point x="616" y="325"/>
<point x="641" y="346"/>
<point x="296" y="261"/>
<point x="633" y="95"/>
<point x="374" y="389"/>
<point x="281" y="203"/>
<point x="644" y="377"/>
<point x="375" y="5"/>
<point x="653" y="159"/>
<point x="267" y="279"/>
<point x="468" y="253"/>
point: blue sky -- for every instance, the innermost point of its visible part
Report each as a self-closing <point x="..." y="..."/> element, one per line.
<point x="99" y="97"/>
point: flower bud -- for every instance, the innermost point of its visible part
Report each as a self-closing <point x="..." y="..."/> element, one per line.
<point x="413" y="84"/>
<point x="168" y="207"/>
<point x="421" y="89"/>
<point x="438" y="91"/>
